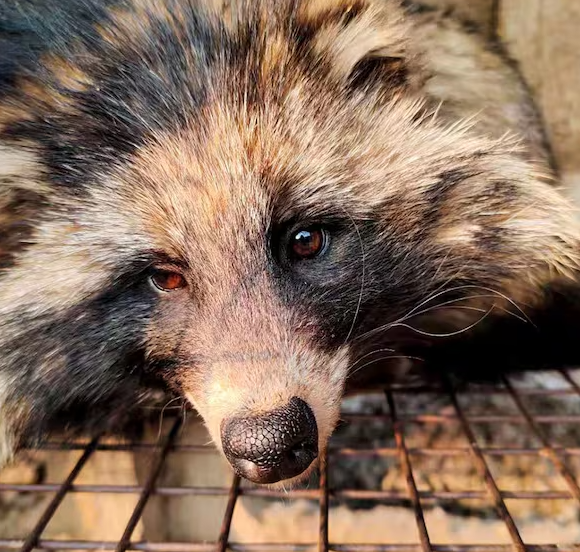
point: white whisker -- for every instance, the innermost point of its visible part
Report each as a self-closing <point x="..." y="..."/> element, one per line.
<point x="362" y="283"/>
<point x="448" y="334"/>
<point x="383" y="350"/>
<point x="161" y="416"/>
<point x="415" y="311"/>
<point x="383" y="358"/>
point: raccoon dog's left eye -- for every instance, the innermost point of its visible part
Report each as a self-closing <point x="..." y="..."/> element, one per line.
<point x="167" y="280"/>
<point x="308" y="243"/>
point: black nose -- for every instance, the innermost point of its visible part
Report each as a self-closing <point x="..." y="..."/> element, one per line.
<point x="274" y="446"/>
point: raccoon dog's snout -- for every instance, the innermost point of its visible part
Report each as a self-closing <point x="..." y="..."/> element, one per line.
<point x="278" y="445"/>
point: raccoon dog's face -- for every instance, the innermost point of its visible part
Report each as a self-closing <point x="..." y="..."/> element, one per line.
<point x="238" y="205"/>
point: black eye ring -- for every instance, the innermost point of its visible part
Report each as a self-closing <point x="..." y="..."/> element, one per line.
<point x="308" y="242"/>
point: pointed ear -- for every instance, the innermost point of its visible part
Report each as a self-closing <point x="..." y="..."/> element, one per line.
<point x="378" y="70"/>
<point x="364" y="42"/>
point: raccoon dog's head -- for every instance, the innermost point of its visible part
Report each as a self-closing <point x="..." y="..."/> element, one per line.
<point x="244" y="204"/>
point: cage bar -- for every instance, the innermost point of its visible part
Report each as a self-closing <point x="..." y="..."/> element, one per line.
<point x="325" y="495"/>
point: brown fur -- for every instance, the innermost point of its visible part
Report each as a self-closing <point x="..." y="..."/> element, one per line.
<point x="418" y="136"/>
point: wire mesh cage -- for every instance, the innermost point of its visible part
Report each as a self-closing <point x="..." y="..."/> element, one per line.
<point x="414" y="468"/>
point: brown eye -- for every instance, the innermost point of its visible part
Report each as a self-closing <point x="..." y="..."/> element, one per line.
<point x="308" y="243"/>
<point x="166" y="280"/>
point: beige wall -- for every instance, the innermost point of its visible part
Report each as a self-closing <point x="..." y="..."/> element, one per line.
<point x="544" y="36"/>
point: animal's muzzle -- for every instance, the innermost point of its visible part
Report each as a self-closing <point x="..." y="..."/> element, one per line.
<point x="274" y="446"/>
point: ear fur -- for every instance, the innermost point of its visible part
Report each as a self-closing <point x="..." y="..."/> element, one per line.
<point x="366" y="42"/>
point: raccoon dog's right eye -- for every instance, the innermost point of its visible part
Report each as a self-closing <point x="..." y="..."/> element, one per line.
<point x="167" y="280"/>
<point x="308" y="243"/>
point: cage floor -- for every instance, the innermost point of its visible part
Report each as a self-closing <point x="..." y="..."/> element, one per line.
<point x="415" y="468"/>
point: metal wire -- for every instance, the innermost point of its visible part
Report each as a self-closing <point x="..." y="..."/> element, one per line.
<point x="483" y="469"/>
<point x="125" y="541"/>
<point x="223" y="538"/>
<point x="32" y="539"/>
<point x="396" y="424"/>
<point x="408" y="472"/>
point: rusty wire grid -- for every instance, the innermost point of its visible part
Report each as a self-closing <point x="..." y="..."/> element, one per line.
<point x="409" y="456"/>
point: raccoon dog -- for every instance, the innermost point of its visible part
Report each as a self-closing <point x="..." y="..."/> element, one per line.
<point x="253" y="204"/>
